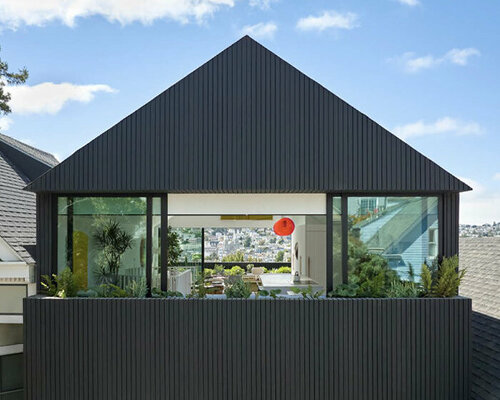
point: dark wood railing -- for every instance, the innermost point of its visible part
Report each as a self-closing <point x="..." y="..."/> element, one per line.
<point x="389" y="349"/>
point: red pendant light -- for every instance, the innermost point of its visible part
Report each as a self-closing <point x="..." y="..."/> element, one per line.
<point x="284" y="227"/>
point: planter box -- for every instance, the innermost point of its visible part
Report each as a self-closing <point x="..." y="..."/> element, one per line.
<point x="247" y="349"/>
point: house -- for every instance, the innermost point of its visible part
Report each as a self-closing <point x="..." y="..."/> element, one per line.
<point x="19" y="164"/>
<point x="246" y="141"/>
<point x="479" y="256"/>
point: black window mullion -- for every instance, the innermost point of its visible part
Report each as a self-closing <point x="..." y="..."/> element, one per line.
<point x="329" y="243"/>
<point x="440" y="227"/>
<point x="164" y="243"/>
<point x="69" y="233"/>
<point x="345" y="238"/>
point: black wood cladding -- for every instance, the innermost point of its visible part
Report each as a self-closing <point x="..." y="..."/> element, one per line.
<point x="388" y="349"/>
<point x="247" y="121"/>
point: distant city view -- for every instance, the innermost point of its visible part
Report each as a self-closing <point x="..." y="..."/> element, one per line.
<point x="488" y="230"/>
<point x="235" y="244"/>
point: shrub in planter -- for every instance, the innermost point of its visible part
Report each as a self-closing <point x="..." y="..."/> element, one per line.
<point x="403" y="289"/>
<point x="345" y="290"/>
<point x="265" y="293"/>
<point x="157" y="293"/>
<point x="308" y="293"/>
<point x="442" y="280"/>
<point x="235" y="271"/>
<point x="238" y="290"/>
<point x="65" y="284"/>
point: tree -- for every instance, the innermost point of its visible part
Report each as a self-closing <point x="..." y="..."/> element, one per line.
<point x="280" y="255"/>
<point x="234" y="257"/>
<point x="9" y="78"/>
<point x="174" y="247"/>
<point x="248" y="241"/>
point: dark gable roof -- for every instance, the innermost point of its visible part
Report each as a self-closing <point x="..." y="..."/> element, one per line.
<point x="247" y="121"/>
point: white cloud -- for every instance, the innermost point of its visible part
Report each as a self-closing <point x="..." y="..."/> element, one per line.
<point x="440" y="126"/>
<point x="480" y="205"/>
<point x="411" y="3"/>
<point x="5" y="123"/>
<point x="261" y="30"/>
<point x="49" y="98"/>
<point x="262" y="4"/>
<point x="328" y="19"/>
<point x="461" y="56"/>
<point x="412" y="64"/>
<point x="15" y="13"/>
<point x="496" y="177"/>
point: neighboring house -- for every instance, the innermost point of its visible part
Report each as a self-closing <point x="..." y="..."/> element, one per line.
<point x="19" y="164"/>
<point x="481" y="258"/>
<point x="245" y="141"/>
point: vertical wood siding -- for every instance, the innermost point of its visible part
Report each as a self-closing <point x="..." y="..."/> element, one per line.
<point x="450" y="224"/>
<point x="236" y="349"/>
<point x="247" y="121"/>
<point x="46" y="222"/>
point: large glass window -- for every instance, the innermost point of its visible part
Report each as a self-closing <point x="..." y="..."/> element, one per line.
<point x="403" y="230"/>
<point x="103" y="239"/>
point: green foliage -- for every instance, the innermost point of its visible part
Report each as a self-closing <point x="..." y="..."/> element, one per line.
<point x="157" y="293"/>
<point x="238" y="290"/>
<point x="174" y="247"/>
<point x="280" y="270"/>
<point x="279" y="256"/>
<point x="443" y="281"/>
<point x="403" y="290"/>
<point x="218" y="269"/>
<point x="345" y="290"/>
<point x="273" y="293"/>
<point x="112" y="241"/>
<point x="369" y="271"/>
<point x="234" y="271"/>
<point x="65" y="284"/>
<point x="234" y="257"/>
<point x="9" y="78"/>
<point x="308" y="293"/>
<point x="110" y="290"/>
<point x="426" y="278"/>
<point x="208" y="272"/>
<point x="198" y="291"/>
<point x="373" y="276"/>
<point x="137" y="289"/>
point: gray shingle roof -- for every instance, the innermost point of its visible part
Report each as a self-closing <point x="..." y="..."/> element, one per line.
<point x="17" y="210"/>
<point x="35" y="153"/>
<point x="481" y="258"/>
<point x="17" y="206"/>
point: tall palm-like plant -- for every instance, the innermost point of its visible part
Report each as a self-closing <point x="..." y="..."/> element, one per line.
<point x="112" y="241"/>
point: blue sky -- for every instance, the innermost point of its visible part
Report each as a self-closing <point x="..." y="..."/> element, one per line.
<point x="426" y="70"/>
